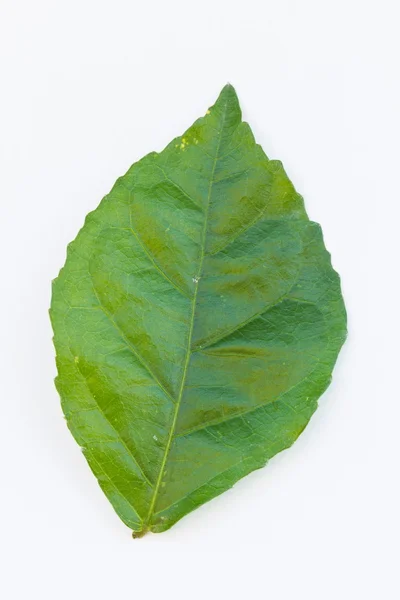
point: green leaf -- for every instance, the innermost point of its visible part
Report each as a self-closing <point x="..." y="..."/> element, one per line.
<point x="197" y="321"/>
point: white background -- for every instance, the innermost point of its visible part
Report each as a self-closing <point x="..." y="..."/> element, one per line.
<point x="87" y="88"/>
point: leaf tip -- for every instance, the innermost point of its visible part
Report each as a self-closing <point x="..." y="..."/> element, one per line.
<point x="228" y="92"/>
<point x="228" y="101"/>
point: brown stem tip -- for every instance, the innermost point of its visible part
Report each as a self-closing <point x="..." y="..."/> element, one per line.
<point x="138" y="534"/>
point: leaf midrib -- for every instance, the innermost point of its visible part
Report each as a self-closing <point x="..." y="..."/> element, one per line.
<point x="190" y="334"/>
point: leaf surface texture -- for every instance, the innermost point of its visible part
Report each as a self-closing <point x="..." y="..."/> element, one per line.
<point x="197" y="321"/>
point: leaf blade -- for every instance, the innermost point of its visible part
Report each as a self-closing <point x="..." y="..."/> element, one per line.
<point x="191" y="315"/>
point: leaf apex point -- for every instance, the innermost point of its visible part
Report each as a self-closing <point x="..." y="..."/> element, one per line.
<point x="228" y="96"/>
<point x="228" y="88"/>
